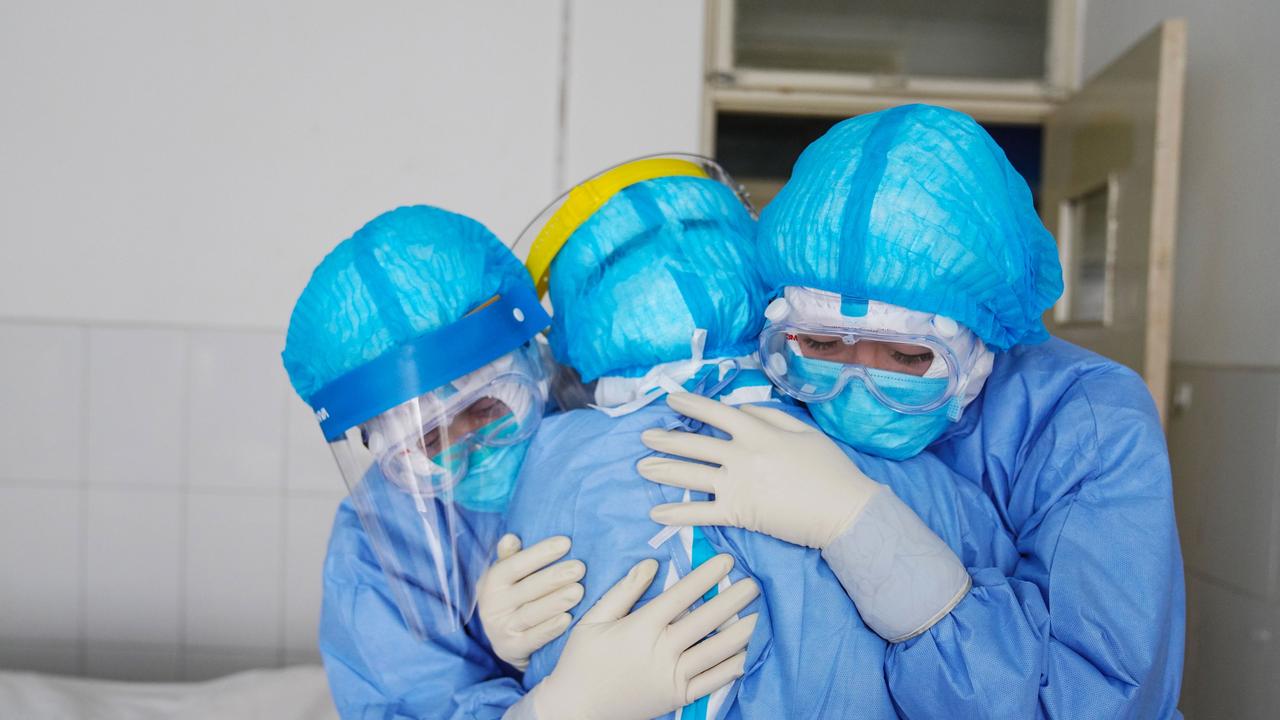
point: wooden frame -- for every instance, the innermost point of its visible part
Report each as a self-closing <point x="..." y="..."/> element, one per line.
<point x="1164" y="210"/>
<point x="1123" y="127"/>
<point x="1063" y="54"/>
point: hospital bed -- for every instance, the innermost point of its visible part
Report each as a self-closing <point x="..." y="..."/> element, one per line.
<point x="293" y="693"/>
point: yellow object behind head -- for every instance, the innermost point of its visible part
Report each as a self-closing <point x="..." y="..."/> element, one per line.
<point x="584" y="200"/>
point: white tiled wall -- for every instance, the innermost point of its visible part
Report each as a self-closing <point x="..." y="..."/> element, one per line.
<point x="1225" y="452"/>
<point x="136" y="408"/>
<point x="134" y="542"/>
<point x="236" y="429"/>
<point x="234" y="547"/>
<point x="164" y="503"/>
<point x="307" y="521"/>
<point x="42" y="397"/>
<point x="42" y="562"/>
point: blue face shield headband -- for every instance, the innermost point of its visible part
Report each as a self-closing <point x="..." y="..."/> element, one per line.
<point x="431" y="360"/>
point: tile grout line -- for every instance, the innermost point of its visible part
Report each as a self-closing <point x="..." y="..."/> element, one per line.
<point x="111" y="324"/>
<point x="184" y="509"/>
<point x="282" y="615"/>
<point x="82" y="472"/>
<point x="89" y="350"/>
<point x="1274" y="567"/>
<point x="157" y="487"/>
<point x="208" y="490"/>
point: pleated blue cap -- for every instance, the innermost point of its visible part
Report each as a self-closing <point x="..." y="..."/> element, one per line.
<point x="916" y="206"/>
<point x="407" y="272"/>
<point x="660" y="259"/>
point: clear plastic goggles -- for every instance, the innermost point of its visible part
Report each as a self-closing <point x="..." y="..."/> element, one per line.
<point x="814" y="363"/>
<point x="424" y="445"/>
<point x="431" y="515"/>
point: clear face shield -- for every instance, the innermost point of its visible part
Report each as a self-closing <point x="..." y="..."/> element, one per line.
<point x="431" y="477"/>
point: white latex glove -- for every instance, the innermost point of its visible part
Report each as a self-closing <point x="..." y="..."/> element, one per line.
<point x="621" y="666"/>
<point x="523" y="603"/>
<point x="783" y="478"/>
<point x="776" y="474"/>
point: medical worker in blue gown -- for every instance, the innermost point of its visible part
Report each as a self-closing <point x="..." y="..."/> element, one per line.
<point x="651" y="271"/>
<point x="911" y="273"/>
<point x="654" y="289"/>
<point x="414" y="342"/>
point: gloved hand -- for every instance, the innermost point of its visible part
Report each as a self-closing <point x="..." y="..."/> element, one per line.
<point x="649" y="662"/>
<point x="777" y="475"/>
<point x="523" y="603"/>
<point x="783" y="478"/>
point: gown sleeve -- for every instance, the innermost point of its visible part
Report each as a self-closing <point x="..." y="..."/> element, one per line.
<point x="378" y="669"/>
<point x="1083" y="615"/>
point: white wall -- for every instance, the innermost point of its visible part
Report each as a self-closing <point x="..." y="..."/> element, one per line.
<point x="189" y="162"/>
<point x="636" y="92"/>
<point x="1224" y="447"/>
<point x="170" y="172"/>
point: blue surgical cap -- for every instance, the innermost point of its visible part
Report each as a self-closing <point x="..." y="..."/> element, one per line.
<point x="660" y="259"/>
<point x="916" y="206"/>
<point x="407" y="272"/>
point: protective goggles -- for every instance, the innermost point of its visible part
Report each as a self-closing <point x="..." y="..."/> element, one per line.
<point x="424" y="445"/>
<point x="543" y="238"/>
<point x="813" y="363"/>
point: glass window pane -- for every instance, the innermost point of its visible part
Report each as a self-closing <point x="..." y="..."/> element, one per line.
<point x="759" y="150"/>
<point x="998" y="39"/>
<point x="1088" y="250"/>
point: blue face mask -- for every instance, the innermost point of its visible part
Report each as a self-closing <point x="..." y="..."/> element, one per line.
<point x="489" y="483"/>
<point x="491" y="472"/>
<point x="858" y="418"/>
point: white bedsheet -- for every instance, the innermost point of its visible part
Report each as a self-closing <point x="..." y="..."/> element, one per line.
<point x="287" y="694"/>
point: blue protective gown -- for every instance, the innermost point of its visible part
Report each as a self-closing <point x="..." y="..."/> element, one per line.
<point x="1086" y="617"/>
<point x="1053" y="489"/>
<point x="376" y="667"/>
